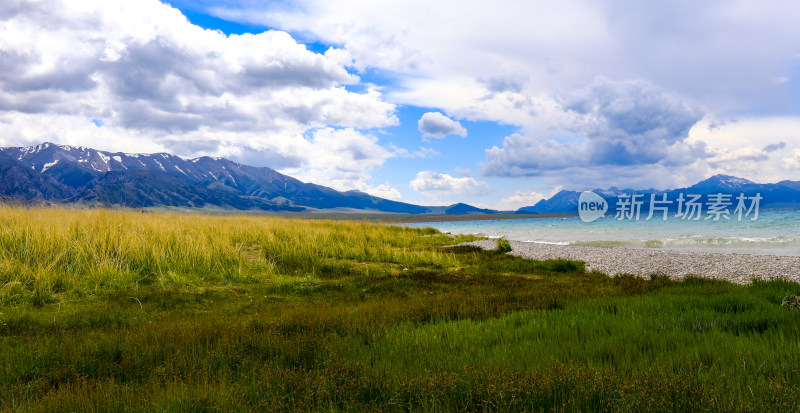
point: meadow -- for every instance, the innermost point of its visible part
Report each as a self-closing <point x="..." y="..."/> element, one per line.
<point x="112" y="310"/>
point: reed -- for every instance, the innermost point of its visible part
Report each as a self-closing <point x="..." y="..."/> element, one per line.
<point x="49" y="254"/>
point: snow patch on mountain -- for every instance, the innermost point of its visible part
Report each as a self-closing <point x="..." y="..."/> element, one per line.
<point x="49" y="165"/>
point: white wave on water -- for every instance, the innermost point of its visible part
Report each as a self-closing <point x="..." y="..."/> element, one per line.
<point x="547" y="242"/>
<point x="482" y="234"/>
<point x="749" y="240"/>
<point x="776" y="232"/>
<point x="687" y="242"/>
<point x="726" y="241"/>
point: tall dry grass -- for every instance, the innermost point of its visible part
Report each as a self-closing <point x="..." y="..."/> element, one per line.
<point x="48" y="252"/>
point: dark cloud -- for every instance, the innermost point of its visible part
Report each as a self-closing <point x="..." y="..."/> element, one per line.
<point x="157" y="72"/>
<point x="290" y="73"/>
<point x="9" y="9"/>
<point x="631" y="122"/>
<point x="34" y="102"/>
<point x="774" y="147"/>
<point x="523" y="155"/>
<point x="624" y="123"/>
<point x="18" y="73"/>
<point x="308" y="113"/>
<point x="505" y="83"/>
<point x="141" y="115"/>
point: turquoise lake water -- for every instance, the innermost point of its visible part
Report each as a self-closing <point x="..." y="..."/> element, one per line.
<point x="776" y="232"/>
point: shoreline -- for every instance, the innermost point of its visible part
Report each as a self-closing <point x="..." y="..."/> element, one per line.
<point x="734" y="267"/>
<point x="413" y="219"/>
<point x="371" y="216"/>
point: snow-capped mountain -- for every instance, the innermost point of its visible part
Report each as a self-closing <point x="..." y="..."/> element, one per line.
<point x="784" y="194"/>
<point x="47" y="157"/>
<point x="726" y="182"/>
<point x="61" y="173"/>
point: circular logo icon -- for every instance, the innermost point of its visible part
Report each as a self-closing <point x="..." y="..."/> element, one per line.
<point x="591" y="206"/>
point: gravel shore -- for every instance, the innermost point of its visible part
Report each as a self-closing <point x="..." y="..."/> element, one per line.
<point x="738" y="268"/>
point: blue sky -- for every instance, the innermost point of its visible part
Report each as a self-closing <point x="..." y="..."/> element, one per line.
<point x="496" y="105"/>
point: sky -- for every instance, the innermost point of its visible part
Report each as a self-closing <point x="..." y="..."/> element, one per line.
<point x="496" y="104"/>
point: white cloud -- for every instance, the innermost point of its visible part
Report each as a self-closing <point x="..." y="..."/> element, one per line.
<point x="760" y="149"/>
<point x="707" y="55"/>
<point x="792" y="162"/>
<point x="467" y="62"/>
<point x="435" y="184"/>
<point x="518" y="200"/>
<point x="342" y="158"/>
<point x="619" y="124"/>
<point x="157" y="82"/>
<point x="426" y="152"/>
<point x="422" y="152"/>
<point x="524" y="198"/>
<point x="436" y="125"/>
<point x="383" y="191"/>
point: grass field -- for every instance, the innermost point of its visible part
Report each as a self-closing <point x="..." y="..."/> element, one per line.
<point x="124" y="311"/>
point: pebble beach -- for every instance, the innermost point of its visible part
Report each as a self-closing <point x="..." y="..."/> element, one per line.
<point x="738" y="268"/>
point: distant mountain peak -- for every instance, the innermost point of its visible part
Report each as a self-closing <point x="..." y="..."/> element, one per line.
<point x="462" y="208"/>
<point x="50" y="172"/>
<point x="784" y="194"/>
<point x="723" y="181"/>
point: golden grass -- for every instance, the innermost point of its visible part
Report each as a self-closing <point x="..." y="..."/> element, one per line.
<point x="51" y="251"/>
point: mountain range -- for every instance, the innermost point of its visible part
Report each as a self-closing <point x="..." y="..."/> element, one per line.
<point x="784" y="194"/>
<point x="74" y="174"/>
<point x="70" y="174"/>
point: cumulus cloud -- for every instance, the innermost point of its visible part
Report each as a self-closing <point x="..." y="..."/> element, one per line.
<point x="471" y="74"/>
<point x="630" y="122"/>
<point x="342" y="158"/>
<point x="362" y="45"/>
<point x="519" y="199"/>
<point x="707" y="56"/>
<point x="434" y="184"/>
<point x="436" y="125"/>
<point x="737" y="147"/>
<point x="145" y="74"/>
<point x="744" y="154"/>
<point x="383" y="191"/>
<point x="621" y="124"/>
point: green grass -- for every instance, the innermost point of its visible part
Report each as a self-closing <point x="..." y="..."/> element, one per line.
<point x="503" y="245"/>
<point x="123" y="311"/>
